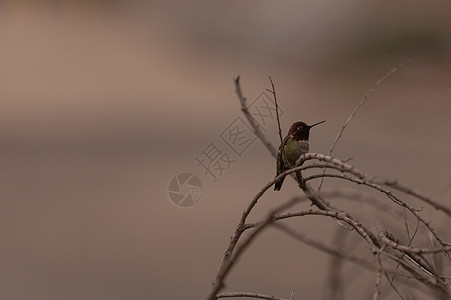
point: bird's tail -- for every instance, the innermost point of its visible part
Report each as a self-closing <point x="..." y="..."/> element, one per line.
<point x="278" y="184"/>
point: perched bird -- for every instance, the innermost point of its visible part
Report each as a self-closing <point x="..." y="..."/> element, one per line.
<point x="295" y="144"/>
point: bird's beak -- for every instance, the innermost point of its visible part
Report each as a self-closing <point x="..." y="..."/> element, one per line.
<point x="317" y="123"/>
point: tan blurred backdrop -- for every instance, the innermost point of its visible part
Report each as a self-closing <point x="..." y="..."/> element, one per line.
<point x="103" y="102"/>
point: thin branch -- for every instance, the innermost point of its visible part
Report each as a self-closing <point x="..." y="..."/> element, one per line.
<point x="367" y="180"/>
<point x="228" y="265"/>
<point x="407" y="190"/>
<point x="386" y="240"/>
<point x="436" y="287"/>
<point x="377" y="285"/>
<point x="361" y="198"/>
<point x="320" y="246"/>
<point x="390" y="195"/>
<point x="358" y="107"/>
<point x="257" y="129"/>
<point x="240" y="227"/>
<point x="410" y="239"/>
<point x="326" y="249"/>
<point x="273" y="92"/>
<point x="361" y="230"/>
<point x="247" y="295"/>
<point x="344" y="167"/>
<point x="388" y="279"/>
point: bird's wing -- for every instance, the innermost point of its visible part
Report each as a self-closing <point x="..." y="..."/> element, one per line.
<point x="281" y="164"/>
<point x="280" y="161"/>
<point x="280" y="169"/>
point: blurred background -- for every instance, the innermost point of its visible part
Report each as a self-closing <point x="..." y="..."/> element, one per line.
<point x="104" y="102"/>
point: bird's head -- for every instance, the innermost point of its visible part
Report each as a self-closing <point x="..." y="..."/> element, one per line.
<point x="301" y="131"/>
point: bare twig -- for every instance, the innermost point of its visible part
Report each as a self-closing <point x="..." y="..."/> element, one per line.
<point x="257" y="130"/>
<point x="407" y="190"/>
<point x="367" y="180"/>
<point x="361" y="198"/>
<point x="361" y="230"/>
<point x="320" y="246"/>
<point x="410" y="239"/>
<point x="332" y="147"/>
<point x="240" y="227"/>
<point x="366" y="264"/>
<point x="436" y="287"/>
<point x="388" y="279"/>
<point x="248" y="295"/>
<point x="343" y="167"/>
<point x="377" y="285"/>
<point x="384" y="238"/>
<point x="227" y="265"/>
<point x="273" y="92"/>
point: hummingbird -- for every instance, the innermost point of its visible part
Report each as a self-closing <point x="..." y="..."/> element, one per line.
<point x="295" y="144"/>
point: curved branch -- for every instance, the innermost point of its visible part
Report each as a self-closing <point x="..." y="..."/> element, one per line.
<point x="386" y="240"/>
<point x="257" y="129"/>
<point x="344" y="167"/>
<point x="389" y="195"/>
<point x="227" y="265"/>
<point x="247" y="295"/>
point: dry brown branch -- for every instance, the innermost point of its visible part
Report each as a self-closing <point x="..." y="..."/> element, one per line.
<point x="228" y="264"/>
<point x="229" y="260"/>
<point x="388" y="279"/>
<point x="344" y="167"/>
<point x="257" y="130"/>
<point x="320" y="246"/>
<point x="408" y="235"/>
<point x="403" y="278"/>
<point x="434" y="284"/>
<point x="274" y="216"/>
<point x="248" y="295"/>
<point x="366" y="264"/>
<point x="365" y="179"/>
<point x="273" y="92"/>
<point x="386" y="240"/>
<point x="241" y="228"/>
<point x="361" y="198"/>
<point x="407" y="190"/>
<point x="361" y="230"/>
<point x="367" y="235"/>
<point x="391" y="196"/>
<point x="377" y="285"/>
